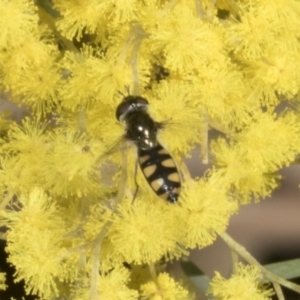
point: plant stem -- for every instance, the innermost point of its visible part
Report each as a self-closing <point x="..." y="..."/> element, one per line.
<point x="278" y="291"/>
<point x="153" y="273"/>
<point x="139" y="35"/>
<point x="251" y="260"/>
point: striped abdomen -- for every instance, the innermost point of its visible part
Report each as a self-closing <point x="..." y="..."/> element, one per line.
<point x="160" y="170"/>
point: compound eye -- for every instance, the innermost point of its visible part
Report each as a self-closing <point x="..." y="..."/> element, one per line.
<point x="122" y="109"/>
<point x="130" y="103"/>
<point x="140" y="101"/>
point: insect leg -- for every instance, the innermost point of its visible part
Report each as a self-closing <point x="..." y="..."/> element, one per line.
<point x="136" y="184"/>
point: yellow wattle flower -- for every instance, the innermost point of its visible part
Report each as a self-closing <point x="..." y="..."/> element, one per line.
<point x="243" y="285"/>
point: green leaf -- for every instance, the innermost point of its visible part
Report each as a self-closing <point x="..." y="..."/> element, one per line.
<point x="196" y="276"/>
<point x="287" y="269"/>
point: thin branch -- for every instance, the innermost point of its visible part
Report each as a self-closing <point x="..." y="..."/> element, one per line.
<point x="210" y="8"/>
<point x="199" y="9"/>
<point x="153" y="274"/>
<point x="278" y="291"/>
<point x="50" y="21"/>
<point x="122" y="56"/>
<point x="215" y="125"/>
<point x="250" y="259"/>
<point x="140" y="34"/>
<point x="96" y="243"/>
<point x="95" y="258"/>
<point x="235" y="260"/>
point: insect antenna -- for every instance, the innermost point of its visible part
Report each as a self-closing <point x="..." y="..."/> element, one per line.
<point x="127" y="88"/>
<point x="121" y="94"/>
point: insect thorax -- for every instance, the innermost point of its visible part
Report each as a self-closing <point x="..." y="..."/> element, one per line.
<point x="141" y="129"/>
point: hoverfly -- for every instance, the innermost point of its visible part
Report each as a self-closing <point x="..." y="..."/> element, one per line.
<point x="156" y="163"/>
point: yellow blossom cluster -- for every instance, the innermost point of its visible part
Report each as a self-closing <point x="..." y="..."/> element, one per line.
<point x="76" y="228"/>
<point x="244" y="284"/>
